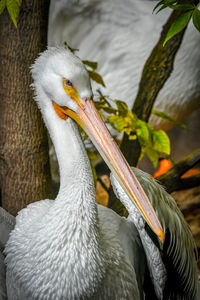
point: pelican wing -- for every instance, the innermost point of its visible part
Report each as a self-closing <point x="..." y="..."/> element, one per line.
<point x="7" y="223"/>
<point x="179" y="247"/>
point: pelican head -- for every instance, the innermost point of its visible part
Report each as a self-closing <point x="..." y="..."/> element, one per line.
<point x="63" y="78"/>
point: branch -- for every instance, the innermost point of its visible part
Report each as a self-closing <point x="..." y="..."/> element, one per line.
<point x="189" y="205"/>
<point x="156" y="71"/>
<point x="103" y="185"/>
<point x="172" y="179"/>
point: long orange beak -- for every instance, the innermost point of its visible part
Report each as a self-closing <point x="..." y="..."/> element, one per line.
<point x="89" y="118"/>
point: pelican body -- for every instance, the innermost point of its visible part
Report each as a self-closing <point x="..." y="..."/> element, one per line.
<point x="72" y="248"/>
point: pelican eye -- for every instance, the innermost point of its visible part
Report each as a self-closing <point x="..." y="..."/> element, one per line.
<point x="71" y="91"/>
<point x="67" y="82"/>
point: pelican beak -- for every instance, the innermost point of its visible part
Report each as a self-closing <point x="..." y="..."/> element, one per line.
<point x="89" y="119"/>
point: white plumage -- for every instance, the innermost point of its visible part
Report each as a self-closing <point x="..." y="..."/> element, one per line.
<point x="71" y="248"/>
<point x="120" y="35"/>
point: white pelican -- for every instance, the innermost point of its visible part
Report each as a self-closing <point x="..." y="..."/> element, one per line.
<point x="71" y="248"/>
<point x="124" y="34"/>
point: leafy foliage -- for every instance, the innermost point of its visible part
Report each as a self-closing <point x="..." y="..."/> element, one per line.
<point x="196" y="19"/>
<point x="2" y="6"/>
<point x="153" y="142"/>
<point x="181" y="22"/>
<point x="93" y="65"/>
<point x="178" y="25"/>
<point x="172" y="4"/>
<point x="92" y="72"/>
<point x="13" y="7"/>
<point x="96" y="77"/>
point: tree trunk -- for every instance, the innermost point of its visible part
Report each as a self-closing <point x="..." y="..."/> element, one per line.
<point x="172" y="180"/>
<point x="24" y="160"/>
<point x="156" y="71"/>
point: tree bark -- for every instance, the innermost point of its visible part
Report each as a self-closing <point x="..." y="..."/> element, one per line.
<point x="172" y="180"/>
<point x="24" y="159"/>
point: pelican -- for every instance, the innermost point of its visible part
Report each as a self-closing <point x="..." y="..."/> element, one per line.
<point x="72" y="248"/>
<point x="124" y="34"/>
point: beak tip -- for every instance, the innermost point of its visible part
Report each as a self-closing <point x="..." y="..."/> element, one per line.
<point x="161" y="236"/>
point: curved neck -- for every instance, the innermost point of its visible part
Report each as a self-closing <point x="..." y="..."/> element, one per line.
<point x="74" y="165"/>
<point x="76" y="193"/>
<point x="75" y="207"/>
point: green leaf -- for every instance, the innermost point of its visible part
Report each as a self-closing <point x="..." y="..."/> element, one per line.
<point x="102" y="115"/>
<point x="164" y="116"/>
<point x="19" y="2"/>
<point x="196" y="19"/>
<point x="121" y="124"/>
<point x="141" y="154"/>
<point x="161" y="142"/>
<point x="99" y="104"/>
<point x="182" y="7"/>
<point x="122" y="107"/>
<point x="179" y="24"/>
<point x="117" y="122"/>
<point x="92" y="64"/>
<point x="143" y="132"/>
<point x="2" y="6"/>
<point x="132" y="119"/>
<point x="164" y="4"/>
<point x="152" y="155"/>
<point x="96" y="77"/>
<point x="158" y="4"/>
<point x="132" y="137"/>
<point x="109" y="109"/>
<point x="162" y="7"/>
<point x="103" y="98"/>
<point x="13" y="7"/>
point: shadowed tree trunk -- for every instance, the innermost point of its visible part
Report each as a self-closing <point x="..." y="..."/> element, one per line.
<point x="172" y="179"/>
<point x="24" y="160"/>
<point x="156" y="71"/>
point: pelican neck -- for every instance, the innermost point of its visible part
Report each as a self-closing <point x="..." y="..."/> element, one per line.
<point x="74" y="166"/>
